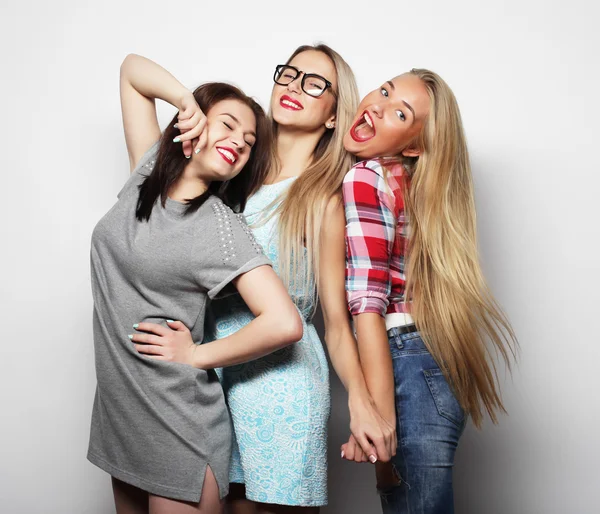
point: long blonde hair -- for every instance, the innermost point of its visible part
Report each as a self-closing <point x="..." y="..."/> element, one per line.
<point x="302" y="209"/>
<point x="451" y="304"/>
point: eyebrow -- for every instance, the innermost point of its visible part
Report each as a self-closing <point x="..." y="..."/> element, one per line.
<point x="411" y="109"/>
<point x="250" y="132"/>
<point x="403" y="101"/>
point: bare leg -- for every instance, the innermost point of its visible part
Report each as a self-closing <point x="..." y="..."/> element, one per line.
<point x="209" y="500"/>
<point x="128" y="498"/>
<point x="237" y="502"/>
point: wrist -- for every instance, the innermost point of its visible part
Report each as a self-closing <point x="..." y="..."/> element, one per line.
<point x="359" y="397"/>
<point x="198" y="357"/>
<point x="183" y="97"/>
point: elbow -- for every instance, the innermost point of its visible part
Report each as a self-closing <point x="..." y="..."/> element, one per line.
<point x="126" y="64"/>
<point x="289" y="329"/>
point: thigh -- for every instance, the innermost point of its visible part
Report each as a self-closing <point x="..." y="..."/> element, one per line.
<point x="430" y="423"/>
<point x="209" y="500"/>
<point x="128" y="498"/>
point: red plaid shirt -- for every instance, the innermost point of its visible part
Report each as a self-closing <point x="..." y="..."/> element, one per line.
<point x="376" y="237"/>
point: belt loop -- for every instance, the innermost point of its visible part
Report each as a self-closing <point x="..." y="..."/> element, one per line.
<point x="394" y="337"/>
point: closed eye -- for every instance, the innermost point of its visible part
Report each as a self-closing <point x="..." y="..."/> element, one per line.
<point x="249" y="144"/>
<point x="228" y="125"/>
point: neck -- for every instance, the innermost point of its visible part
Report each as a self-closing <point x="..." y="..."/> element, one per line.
<point x="295" y="150"/>
<point x="190" y="184"/>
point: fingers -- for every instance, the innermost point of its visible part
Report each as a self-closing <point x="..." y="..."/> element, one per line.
<point x="177" y="325"/>
<point x="359" y="455"/>
<point x="189" y="122"/>
<point x="148" y="339"/>
<point x="353" y="452"/>
<point x="379" y="451"/>
<point x="382" y="448"/>
<point x="152" y="328"/>
<point x="192" y="133"/>
<point x="187" y="148"/>
<point x="150" y="350"/>
<point x="349" y="449"/>
<point x="394" y="443"/>
<point x="202" y="140"/>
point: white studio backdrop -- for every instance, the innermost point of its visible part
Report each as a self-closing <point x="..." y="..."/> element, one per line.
<point x="526" y="75"/>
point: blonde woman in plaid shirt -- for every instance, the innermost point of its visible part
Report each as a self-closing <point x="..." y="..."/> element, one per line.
<point x="422" y="310"/>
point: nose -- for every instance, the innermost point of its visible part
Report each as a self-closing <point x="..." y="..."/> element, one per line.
<point x="377" y="110"/>
<point x="236" y="140"/>
<point x="294" y="85"/>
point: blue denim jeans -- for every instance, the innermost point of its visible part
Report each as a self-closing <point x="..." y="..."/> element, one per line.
<point x="430" y="422"/>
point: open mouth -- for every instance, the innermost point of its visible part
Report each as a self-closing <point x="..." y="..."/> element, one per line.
<point x="228" y="154"/>
<point x="363" y="129"/>
<point x="289" y="103"/>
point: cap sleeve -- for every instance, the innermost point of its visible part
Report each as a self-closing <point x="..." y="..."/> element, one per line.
<point x="143" y="168"/>
<point x="226" y="250"/>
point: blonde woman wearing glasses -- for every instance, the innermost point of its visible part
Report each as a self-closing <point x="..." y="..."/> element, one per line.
<point x="280" y="404"/>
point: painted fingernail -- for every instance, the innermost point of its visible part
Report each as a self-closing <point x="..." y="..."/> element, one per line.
<point x="175" y="126"/>
<point x="197" y="151"/>
<point x="170" y="321"/>
<point x="130" y="336"/>
<point x="188" y="156"/>
<point x="135" y="325"/>
<point x="373" y="459"/>
<point x="343" y="454"/>
<point x="177" y="140"/>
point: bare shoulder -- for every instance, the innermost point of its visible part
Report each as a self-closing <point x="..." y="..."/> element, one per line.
<point x="334" y="207"/>
<point x="334" y="221"/>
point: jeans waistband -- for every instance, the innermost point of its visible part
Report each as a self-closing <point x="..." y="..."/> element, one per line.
<point x="405" y="329"/>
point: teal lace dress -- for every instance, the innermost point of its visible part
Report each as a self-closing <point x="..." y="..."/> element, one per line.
<point x="279" y="404"/>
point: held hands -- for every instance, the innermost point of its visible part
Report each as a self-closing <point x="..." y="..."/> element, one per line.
<point x="373" y="437"/>
<point x="173" y="343"/>
<point x="191" y="122"/>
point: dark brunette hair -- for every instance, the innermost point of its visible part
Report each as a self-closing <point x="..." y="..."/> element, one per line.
<point x="170" y="161"/>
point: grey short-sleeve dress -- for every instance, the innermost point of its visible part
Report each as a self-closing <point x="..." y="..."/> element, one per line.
<point x="157" y="425"/>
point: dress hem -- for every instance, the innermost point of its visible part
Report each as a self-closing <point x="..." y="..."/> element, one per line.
<point x="152" y="487"/>
<point x="251" y="497"/>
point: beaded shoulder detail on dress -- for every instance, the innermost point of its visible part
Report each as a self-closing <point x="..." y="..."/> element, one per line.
<point x="149" y="165"/>
<point x="225" y="218"/>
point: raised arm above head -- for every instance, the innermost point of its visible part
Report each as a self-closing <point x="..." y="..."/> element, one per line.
<point x="142" y="82"/>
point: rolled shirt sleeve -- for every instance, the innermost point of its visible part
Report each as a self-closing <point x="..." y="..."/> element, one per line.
<point x="370" y="233"/>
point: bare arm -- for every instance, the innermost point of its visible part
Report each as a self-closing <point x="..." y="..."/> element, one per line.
<point x="376" y="361"/>
<point x="366" y="424"/>
<point x="339" y="338"/>
<point x="276" y="324"/>
<point x="142" y="81"/>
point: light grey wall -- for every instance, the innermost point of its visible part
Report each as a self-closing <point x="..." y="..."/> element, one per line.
<point x="526" y="76"/>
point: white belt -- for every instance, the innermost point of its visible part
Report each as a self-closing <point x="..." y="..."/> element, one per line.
<point x="397" y="319"/>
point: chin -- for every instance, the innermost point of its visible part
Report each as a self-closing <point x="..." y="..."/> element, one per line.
<point x="286" y="118"/>
<point x="351" y="146"/>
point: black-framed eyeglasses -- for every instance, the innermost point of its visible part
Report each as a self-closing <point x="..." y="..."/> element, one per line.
<point x="312" y="84"/>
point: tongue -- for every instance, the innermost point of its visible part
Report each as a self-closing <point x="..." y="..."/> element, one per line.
<point x="364" y="131"/>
